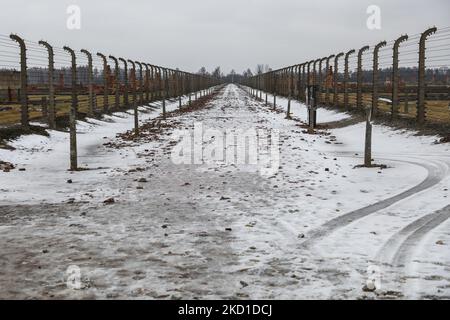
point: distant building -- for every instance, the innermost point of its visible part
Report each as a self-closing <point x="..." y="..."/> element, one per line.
<point x="9" y="79"/>
<point x="9" y="85"/>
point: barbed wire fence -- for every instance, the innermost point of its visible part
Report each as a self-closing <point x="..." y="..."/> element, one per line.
<point x="407" y="77"/>
<point x="57" y="86"/>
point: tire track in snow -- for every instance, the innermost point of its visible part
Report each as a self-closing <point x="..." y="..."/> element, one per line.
<point x="400" y="246"/>
<point x="436" y="173"/>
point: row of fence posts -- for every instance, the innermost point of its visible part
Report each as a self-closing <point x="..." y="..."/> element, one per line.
<point x="310" y="80"/>
<point x="277" y="82"/>
<point x="186" y="84"/>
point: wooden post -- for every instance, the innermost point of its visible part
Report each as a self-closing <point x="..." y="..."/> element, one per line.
<point x="24" y="116"/>
<point x="73" y="113"/>
<point x="51" y="86"/>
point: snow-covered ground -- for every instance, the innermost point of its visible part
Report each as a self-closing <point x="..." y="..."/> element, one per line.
<point x="315" y="228"/>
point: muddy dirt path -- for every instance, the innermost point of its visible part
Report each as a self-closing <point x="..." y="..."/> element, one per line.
<point x="215" y="230"/>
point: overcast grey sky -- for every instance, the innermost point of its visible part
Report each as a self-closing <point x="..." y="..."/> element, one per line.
<point x="234" y="34"/>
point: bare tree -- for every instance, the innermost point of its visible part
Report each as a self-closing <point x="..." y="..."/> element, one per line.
<point x="260" y="69"/>
<point x="202" y="71"/>
<point x="248" y="73"/>
<point x="217" y="73"/>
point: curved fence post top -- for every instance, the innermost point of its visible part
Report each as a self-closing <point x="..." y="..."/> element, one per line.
<point x="47" y="45"/>
<point x="15" y="37"/>
<point x="70" y="50"/>
<point x="362" y="50"/>
<point x="379" y="46"/>
<point x="427" y="33"/>
<point x="101" y="55"/>
<point x="132" y="63"/>
<point x="339" y="55"/>
<point x="87" y="53"/>
<point x="124" y="62"/>
<point x="401" y="39"/>
<point x="349" y="53"/>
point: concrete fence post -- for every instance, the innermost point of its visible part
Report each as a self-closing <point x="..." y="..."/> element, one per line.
<point x="105" y="82"/>
<point x="267" y="87"/>
<point x="300" y="82"/>
<point x="116" y="83"/>
<point x="336" y="79"/>
<point x="359" y="76"/>
<point x="141" y="84"/>
<point x="275" y="76"/>
<point x="51" y="85"/>
<point x="133" y="89"/>
<point x="291" y="90"/>
<point x="73" y="113"/>
<point x="304" y="81"/>
<point x="90" y="83"/>
<point x="24" y="116"/>
<point x="164" y="92"/>
<point x="261" y="86"/>
<point x="180" y="88"/>
<point x="147" y="83"/>
<point x="375" y="77"/>
<point x="125" y="80"/>
<point x="160" y="83"/>
<point x="327" y="88"/>
<point x="368" y="139"/>
<point x="346" y="78"/>
<point x="167" y="83"/>
<point x="395" y="76"/>
<point x="151" y="83"/>
<point x="308" y="73"/>
<point x="421" y="105"/>
<point x="189" y="83"/>
<point x="320" y="80"/>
